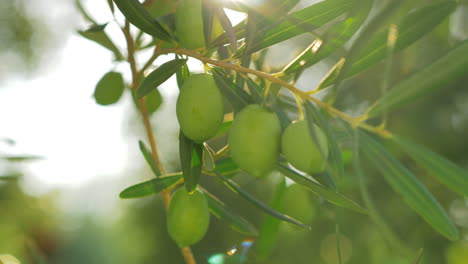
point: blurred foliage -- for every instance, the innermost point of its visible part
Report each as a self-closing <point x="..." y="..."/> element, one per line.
<point x="31" y="230"/>
<point x="24" y="35"/>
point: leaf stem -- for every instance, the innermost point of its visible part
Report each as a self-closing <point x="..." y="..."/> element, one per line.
<point x="136" y="79"/>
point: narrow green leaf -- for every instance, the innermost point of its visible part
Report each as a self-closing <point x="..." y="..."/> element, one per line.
<point x="21" y="158"/>
<point x="227" y="26"/>
<point x="159" y="76"/>
<point x="439" y="74"/>
<point x="329" y="195"/>
<point x="150" y="187"/>
<point x="98" y="35"/>
<point x="191" y="160"/>
<point x="441" y="168"/>
<point x="182" y="74"/>
<point x="265" y="208"/>
<point x="109" y="89"/>
<point x="223" y="212"/>
<point x="378" y="21"/>
<point x="414" y="25"/>
<point x="333" y="39"/>
<point x="302" y="21"/>
<point x="380" y="222"/>
<point x="149" y="158"/>
<point x="233" y="93"/>
<point x="111" y="5"/>
<point x="83" y="12"/>
<point x="255" y="91"/>
<point x="136" y="14"/>
<point x="270" y="226"/>
<point x="414" y="193"/>
<point x="334" y="149"/>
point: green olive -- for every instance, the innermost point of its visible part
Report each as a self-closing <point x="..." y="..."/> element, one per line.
<point x="254" y="140"/>
<point x="162" y="7"/>
<point x="200" y="107"/>
<point x="297" y="204"/>
<point x="299" y="148"/>
<point x="109" y="89"/>
<point x="189" y="24"/>
<point x="188" y="217"/>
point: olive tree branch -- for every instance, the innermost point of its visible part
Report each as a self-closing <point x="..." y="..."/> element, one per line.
<point x="354" y="121"/>
<point x="136" y="79"/>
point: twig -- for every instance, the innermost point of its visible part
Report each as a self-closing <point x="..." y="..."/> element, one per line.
<point x="136" y="76"/>
<point x="354" y="121"/>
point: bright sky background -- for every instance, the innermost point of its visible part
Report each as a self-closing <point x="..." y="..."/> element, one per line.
<point x="54" y="114"/>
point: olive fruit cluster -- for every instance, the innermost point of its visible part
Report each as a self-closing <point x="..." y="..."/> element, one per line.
<point x="188" y="217"/>
<point x="255" y="140"/>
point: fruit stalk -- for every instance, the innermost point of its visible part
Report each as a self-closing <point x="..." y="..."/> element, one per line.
<point x="136" y="79"/>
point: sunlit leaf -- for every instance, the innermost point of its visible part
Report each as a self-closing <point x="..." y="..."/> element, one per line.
<point x="444" y="71"/>
<point x="413" y="192"/>
<point x="98" y="35"/>
<point x="149" y="158"/>
<point x="237" y="97"/>
<point x="159" y="76"/>
<point x="413" y="26"/>
<point x="300" y="22"/>
<point x="191" y="157"/>
<point x="328" y="194"/>
<point x="265" y="208"/>
<point x="333" y="39"/>
<point x="224" y="212"/>
<point x="441" y="168"/>
<point x="150" y="187"/>
<point x="136" y="14"/>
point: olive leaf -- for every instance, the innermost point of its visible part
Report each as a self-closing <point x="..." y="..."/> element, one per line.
<point x="149" y="158"/>
<point x="159" y="76"/>
<point x="441" y="168"/>
<point x="136" y="14"/>
<point x="444" y="71"/>
<point x="299" y="22"/>
<point x="413" y="192"/>
<point x="150" y="187"/>
<point x="191" y="160"/>
<point x="414" y="25"/>
<point x="224" y="212"/>
<point x="109" y="89"/>
<point x="237" y="97"/>
<point x="265" y="208"/>
<point x="329" y="195"/>
<point x="97" y="34"/>
<point x="333" y="39"/>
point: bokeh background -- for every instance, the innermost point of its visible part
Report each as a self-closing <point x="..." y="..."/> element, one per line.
<point x="64" y="159"/>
